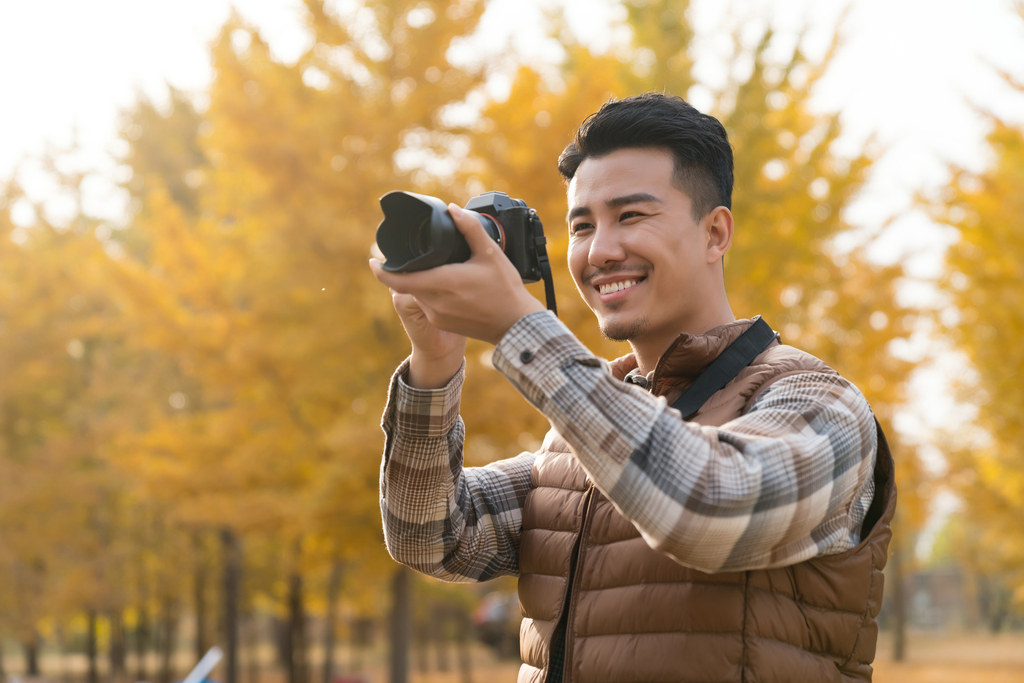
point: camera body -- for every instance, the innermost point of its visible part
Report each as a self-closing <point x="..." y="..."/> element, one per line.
<point x="521" y="226"/>
<point x="418" y="233"/>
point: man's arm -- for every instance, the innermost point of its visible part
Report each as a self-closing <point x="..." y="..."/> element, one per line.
<point x="788" y="481"/>
<point x="454" y="523"/>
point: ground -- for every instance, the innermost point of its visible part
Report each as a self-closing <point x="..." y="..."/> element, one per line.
<point x="931" y="658"/>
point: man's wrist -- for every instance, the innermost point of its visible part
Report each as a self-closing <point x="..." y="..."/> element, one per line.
<point x="528" y="307"/>
<point x="433" y="373"/>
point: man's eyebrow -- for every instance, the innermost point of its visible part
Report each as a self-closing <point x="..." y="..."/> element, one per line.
<point x="576" y="212"/>
<point x="636" y="198"/>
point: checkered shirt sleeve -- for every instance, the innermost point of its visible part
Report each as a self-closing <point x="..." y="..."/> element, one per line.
<point x="789" y="480"/>
<point x="454" y="523"/>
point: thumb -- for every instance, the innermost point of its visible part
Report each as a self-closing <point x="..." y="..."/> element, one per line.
<point x="480" y="242"/>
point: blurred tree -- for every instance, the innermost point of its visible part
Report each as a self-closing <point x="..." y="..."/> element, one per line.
<point x="246" y="273"/>
<point x="985" y="319"/>
<point x="961" y="546"/>
<point x="163" y="145"/>
<point x="63" y="511"/>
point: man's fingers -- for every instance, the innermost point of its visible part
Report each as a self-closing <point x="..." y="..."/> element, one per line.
<point x="403" y="283"/>
<point x="383" y="276"/>
<point x="405" y="302"/>
<point x="377" y="269"/>
<point x="469" y="225"/>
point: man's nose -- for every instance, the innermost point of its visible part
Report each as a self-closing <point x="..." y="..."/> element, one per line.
<point x="605" y="247"/>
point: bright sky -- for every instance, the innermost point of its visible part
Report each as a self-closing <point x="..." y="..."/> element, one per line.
<point x="913" y="73"/>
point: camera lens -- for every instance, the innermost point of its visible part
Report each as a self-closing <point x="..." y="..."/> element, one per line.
<point x="420" y="239"/>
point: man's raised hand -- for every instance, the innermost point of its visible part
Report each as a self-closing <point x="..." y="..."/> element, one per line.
<point x="436" y="354"/>
<point x="481" y="298"/>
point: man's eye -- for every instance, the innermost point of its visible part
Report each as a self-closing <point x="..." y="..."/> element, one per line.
<point x="579" y="227"/>
<point x="629" y="214"/>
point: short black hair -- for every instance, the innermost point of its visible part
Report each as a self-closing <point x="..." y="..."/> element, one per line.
<point x="698" y="142"/>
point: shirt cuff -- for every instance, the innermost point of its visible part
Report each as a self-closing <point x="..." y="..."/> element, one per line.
<point x="423" y="412"/>
<point x="535" y="347"/>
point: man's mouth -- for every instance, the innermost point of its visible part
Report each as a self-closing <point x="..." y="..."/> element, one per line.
<point x="612" y="287"/>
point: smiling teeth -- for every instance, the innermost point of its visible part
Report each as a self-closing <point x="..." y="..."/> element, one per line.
<point x="616" y="286"/>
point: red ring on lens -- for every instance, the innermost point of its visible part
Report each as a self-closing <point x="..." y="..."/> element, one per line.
<point x="501" y="230"/>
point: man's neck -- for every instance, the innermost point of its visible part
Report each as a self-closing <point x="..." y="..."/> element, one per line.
<point x="649" y="349"/>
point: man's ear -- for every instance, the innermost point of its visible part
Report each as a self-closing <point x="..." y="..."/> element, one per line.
<point x="719" y="233"/>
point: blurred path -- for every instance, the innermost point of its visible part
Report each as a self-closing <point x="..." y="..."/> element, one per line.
<point x="953" y="658"/>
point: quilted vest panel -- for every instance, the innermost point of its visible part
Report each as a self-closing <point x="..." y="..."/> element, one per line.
<point x="637" y="616"/>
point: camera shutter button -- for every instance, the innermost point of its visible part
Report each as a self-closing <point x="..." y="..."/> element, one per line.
<point x="526" y="356"/>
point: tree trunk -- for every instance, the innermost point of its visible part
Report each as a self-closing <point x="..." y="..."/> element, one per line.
<point x="899" y="604"/>
<point x="972" y="615"/>
<point x="283" y="643"/>
<point x="252" y="645"/>
<point x="117" y="649"/>
<point x="62" y="655"/>
<point x="421" y="627"/>
<point x="1000" y="611"/>
<point x="93" y="675"/>
<point x="361" y="632"/>
<point x="3" y="672"/>
<point x="355" y="665"/>
<point x="202" y="640"/>
<point x="463" y="635"/>
<point x="297" y="669"/>
<point x="330" y="631"/>
<point x="141" y="644"/>
<point x="400" y="627"/>
<point x="232" y="571"/>
<point x="169" y="636"/>
<point x="32" y="655"/>
<point x="437" y="616"/>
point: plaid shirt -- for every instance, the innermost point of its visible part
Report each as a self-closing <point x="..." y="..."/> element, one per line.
<point x="788" y="481"/>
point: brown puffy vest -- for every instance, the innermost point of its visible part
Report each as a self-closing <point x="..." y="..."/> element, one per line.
<point x="635" y="615"/>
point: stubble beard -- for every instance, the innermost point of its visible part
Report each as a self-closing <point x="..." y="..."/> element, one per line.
<point x="626" y="331"/>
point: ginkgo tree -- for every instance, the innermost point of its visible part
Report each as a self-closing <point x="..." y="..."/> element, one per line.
<point x="984" y="320"/>
<point x="245" y="268"/>
<point x="64" y="512"/>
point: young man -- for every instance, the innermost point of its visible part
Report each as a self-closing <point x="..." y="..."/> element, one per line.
<point x="742" y="542"/>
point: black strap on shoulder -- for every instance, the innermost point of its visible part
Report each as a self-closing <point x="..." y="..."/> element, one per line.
<point x="723" y="369"/>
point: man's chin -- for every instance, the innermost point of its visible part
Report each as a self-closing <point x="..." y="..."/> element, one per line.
<point x="624" y="330"/>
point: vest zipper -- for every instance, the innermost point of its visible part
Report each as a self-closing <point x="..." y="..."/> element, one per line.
<point x="574" y="589"/>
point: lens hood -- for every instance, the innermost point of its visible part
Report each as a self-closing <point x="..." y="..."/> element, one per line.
<point x="417" y="233"/>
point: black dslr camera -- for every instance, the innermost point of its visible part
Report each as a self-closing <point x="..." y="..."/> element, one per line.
<point x="418" y="233"/>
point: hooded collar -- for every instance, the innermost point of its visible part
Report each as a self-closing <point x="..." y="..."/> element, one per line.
<point x="684" y="359"/>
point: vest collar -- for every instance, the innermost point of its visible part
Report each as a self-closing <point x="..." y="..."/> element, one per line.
<point x="684" y="359"/>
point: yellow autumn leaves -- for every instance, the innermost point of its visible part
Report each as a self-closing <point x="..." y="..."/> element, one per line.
<point x="221" y="362"/>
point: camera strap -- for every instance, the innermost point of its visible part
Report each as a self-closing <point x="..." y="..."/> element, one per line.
<point x="723" y="369"/>
<point x="539" y="242"/>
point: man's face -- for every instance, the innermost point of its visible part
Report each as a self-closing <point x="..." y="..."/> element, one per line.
<point x="638" y="257"/>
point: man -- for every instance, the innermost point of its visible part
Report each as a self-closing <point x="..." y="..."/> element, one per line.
<point x="742" y="542"/>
